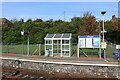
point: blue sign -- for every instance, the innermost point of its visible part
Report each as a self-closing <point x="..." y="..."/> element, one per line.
<point x="88" y="36"/>
<point x="89" y="41"/>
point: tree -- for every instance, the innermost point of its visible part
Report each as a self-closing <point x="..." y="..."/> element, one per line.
<point x="113" y="29"/>
<point x="89" y="26"/>
<point x="38" y="20"/>
<point x="51" y="20"/>
<point x="13" y="20"/>
<point x="29" y="20"/>
<point x="87" y="14"/>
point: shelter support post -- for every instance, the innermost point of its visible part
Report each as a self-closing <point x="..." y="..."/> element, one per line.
<point x="52" y="47"/>
<point x="61" y="48"/>
<point x="69" y="48"/>
<point x="45" y="47"/>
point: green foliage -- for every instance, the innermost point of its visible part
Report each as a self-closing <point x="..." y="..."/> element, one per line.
<point x="38" y="29"/>
<point x="113" y="31"/>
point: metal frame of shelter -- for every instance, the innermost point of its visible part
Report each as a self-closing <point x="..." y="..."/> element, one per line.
<point x="58" y="44"/>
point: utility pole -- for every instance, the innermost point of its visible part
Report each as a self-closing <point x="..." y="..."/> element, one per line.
<point x="64" y="15"/>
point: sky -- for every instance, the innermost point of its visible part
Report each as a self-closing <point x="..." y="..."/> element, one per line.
<point x="57" y="10"/>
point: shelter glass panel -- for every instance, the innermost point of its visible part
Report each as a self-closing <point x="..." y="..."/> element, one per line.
<point x="54" y="50"/>
<point x="50" y="52"/>
<point x="59" y="42"/>
<point x="65" y="41"/>
<point x="65" y="47"/>
<point x="65" y="52"/>
<point x="48" y="41"/>
<point x="55" y="42"/>
<point x="48" y="47"/>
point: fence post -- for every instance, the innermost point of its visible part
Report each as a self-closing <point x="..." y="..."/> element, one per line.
<point x="78" y="53"/>
<point x="8" y="47"/>
<point x="22" y="48"/>
<point x="39" y="49"/>
<point x="100" y="52"/>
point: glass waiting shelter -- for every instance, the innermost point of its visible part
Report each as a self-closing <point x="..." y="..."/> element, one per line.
<point x="58" y="44"/>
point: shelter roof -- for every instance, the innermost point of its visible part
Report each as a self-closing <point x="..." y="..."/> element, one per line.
<point x="67" y="35"/>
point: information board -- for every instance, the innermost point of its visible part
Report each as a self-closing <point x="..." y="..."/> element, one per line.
<point x="82" y="42"/>
<point x="89" y="41"/>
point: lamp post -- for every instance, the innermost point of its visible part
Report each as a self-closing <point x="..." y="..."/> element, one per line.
<point x="22" y="33"/>
<point x="26" y="33"/>
<point x="103" y="12"/>
<point x="28" y="45"/>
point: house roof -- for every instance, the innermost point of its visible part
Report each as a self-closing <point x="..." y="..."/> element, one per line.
<point x="4" y="20"/>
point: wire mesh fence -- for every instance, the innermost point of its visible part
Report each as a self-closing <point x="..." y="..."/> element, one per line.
<point x="34" y="49"/>
<point x="38" y="49"/>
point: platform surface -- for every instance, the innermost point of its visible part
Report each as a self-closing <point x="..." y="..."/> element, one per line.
<point x="58" y="60"/>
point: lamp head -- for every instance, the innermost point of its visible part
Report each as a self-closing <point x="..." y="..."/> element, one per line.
<point x="22" y="32"/>
<point x="103" y="12"/>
